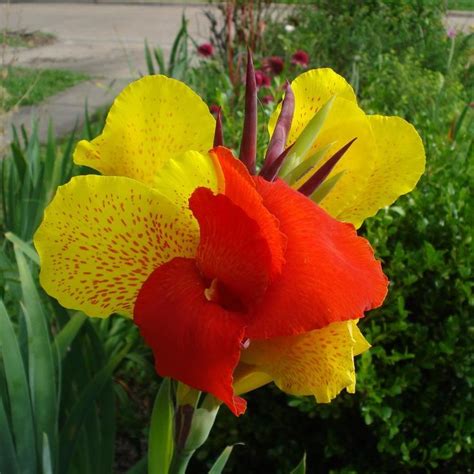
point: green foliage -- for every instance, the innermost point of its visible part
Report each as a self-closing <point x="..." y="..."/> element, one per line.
<point x="411" y="412"/>
<point x="349" y="36"/>
<point x="30" y="86"/>
<point x="53" y="419"/>
<point x="178" y="61"/>
<point x="29" y="178"/>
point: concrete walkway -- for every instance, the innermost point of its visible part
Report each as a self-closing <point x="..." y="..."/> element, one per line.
<point x="106" y="42"/>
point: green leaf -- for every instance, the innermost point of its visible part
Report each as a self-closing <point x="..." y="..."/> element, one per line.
<point x="301" y="467"/>
<point x="203" y="421"/>
<point x="149" y="59"/>
<point x="64" y="338"/>
<point x="20" y="404"/>
<point x="325" y="188"/>
<point x="306" y="139"/>
<point x="47" y="464"/>
<point x="27" y="249"/>
<point x="160" y="438"/>
<point x="85" y="404"/>
<point x="41" y="358"/>
<point x="221" y="461"/>
<point x="140" y="467"/>
<point x="306" y="165"/>
<point x="8" y="462"/>
<point x="160" y="60"/>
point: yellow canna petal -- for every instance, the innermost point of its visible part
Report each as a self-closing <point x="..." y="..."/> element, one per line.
<point x="398" y="164"/>
<point x="345" y="122"/>
<point x="181" y="175"/>
<point x="152" y="120"/>
<point x="247" y="378"/>
<point x="312" y="90"/>
<point x="319" y="363"/>
<point x="101" y="237"/>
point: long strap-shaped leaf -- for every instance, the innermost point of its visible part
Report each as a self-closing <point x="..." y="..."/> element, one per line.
<point x="160" y="438"/>
<point x="41" y="362"/>
<point x="71" y="429"/>
<point x="21" y="414"/>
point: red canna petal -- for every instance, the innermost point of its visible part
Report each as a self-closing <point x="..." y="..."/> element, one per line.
<point x="330" y="273"/>
<point x="194" y="340"/>
<point x="240" y="189"/>
<point x="232" y="249"/>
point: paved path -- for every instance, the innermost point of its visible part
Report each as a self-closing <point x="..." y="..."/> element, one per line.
<point x="105" y="41"/>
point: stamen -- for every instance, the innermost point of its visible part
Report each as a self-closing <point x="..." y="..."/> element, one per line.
<point x="248" y="147"/>
<point x="218" y="134"/>
<point x="282" y="128"/>
<point x="245" y="343"/>
<point x="315" y="181"/>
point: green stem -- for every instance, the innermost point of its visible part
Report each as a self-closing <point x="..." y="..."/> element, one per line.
<point x="180" y="461"/>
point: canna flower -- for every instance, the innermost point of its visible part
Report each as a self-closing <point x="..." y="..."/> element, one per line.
<point x="205" y="50"/>
<point x="235" y="280"/>
<point x="300" y="58"/>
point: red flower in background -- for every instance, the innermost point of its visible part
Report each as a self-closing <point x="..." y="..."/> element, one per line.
<point x="267" y="99"/>
<point x="262" y="79"/>
<point x="273" y="65"/>
<point x="206" y="50"/>
<point x="300" y="58"/>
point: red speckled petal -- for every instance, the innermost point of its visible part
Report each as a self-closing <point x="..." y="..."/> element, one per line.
<point x="194" y="340"/>
<point x="330" y="273"/>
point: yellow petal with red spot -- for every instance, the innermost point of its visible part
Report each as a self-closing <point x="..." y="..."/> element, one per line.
<point x="319" y="363"/>
<point x="399" y="163"/>
<point x="312" y="90"/>
<point x="152" y="120"/>
<point x="102" y="236"/>
<point x="180" y="176"/>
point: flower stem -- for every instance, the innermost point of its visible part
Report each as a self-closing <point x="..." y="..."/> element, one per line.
<point x="180" y="461"/>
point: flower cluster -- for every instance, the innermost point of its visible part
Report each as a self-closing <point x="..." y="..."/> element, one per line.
<point x="234" y="279"/>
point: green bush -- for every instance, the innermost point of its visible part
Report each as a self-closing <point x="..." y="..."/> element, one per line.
<point x="349" y="35"/>
<point x="412" y="410"/>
